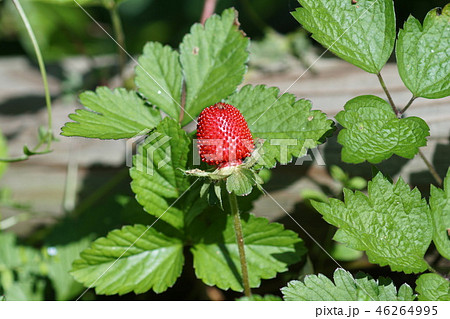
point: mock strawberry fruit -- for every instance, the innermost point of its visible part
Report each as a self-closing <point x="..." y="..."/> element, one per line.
<point x="223" y="136"/>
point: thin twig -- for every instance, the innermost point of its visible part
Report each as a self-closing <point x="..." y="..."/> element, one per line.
<point x="40" y="60"/>
<point x="431" y="168"/>
<point x="408" y="105"/>
<point x="120" y="37"/>
<point x="208" y="10"/>
<point x="383" y="85"/>
<point x="240" y="243"/>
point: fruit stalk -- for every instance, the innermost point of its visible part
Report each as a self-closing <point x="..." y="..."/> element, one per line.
<point x="240" y="242"/>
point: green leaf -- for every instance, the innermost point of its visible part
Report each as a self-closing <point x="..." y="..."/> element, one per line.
<point x="260" y="298"/>
<point x="343" y="253"/>
<point x="345" y="288"/>
<point x="288" y="127"/>
<point x="159" y="78"/>
<point x="392" y="224"/>
<point x="362" y="33"/>
<point x="373" y="133"/>
<point x="269" y="249"/>
<point x="241" y="181"/>
<point x="3" y="153"/>
<point x="158" y="178"/>
<point x="440" y="215"/>
<point x="214" y="59"/>
<point x="432" y="287"/>
<point x="132" y="259"/>
<point x="422" y="54"/>
<point x="111" y="115"/>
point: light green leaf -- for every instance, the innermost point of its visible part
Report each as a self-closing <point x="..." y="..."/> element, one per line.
<point x="343" y="253"/>
<point x="214" y="60"/>
<point x="132" y="259"/>
<point x="241" y="181"/>
<point x="373" y="133"/>
<point x="269" y="249"/>
<point x="432" y="287"/>
<point x="423" y="56"/>
<point x="260" y="298"/>
<point x="59" y="262"/>
<point x="288" y="127"/>
<point x="392" y="224"/>
<point x="345" y="288"/>
<point x="3" y="153"/>
<point x="158" y="178"/>
<point x="159" y="78"/>
<point x="111" y="115"/>
<point x="362" y="33"/>
<point x="440" y="215"/>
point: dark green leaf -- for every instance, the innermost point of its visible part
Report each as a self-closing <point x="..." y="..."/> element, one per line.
<point x="345" y="288"/>
<point x="372" y="132"/>
<point x="132" y="259"/>
<point x="111" y="115"/>
<point x="214" y="59"/>
<point x="362" y="33"/>
<point x="392" y="224"/>
<point x="159" y="78"/>
<point x="422" y="54"/>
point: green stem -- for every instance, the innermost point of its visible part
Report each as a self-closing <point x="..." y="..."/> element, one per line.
<point x="385" y="89"/>
<point x="120" y="36"/>
<point x="240" y="242"/>
<point x="408" y="105"/>
<point x="48" y="100"/>
<point x="431" y="168"/>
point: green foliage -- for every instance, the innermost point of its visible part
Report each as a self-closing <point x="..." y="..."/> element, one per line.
<point x="134" y="258"/>
<point x="242" y="180"/>
<point x="111" y="115"/>
<point x="362" y="33"/>
<point x="295" y="129"/>
<point x="345" y="288"/>
<point x="269" y="249"/>
<point x="260" y="298"/>
<point x="159" y="78"/>
<point x="432" y="287"/>
<point x="422" y="54"/>
<point x="158" y="178"/>
<point x="440" y="215"/>
<point x="372" y="132"/>
<point x="392" y="224"/>
<point x="213" y="57"/>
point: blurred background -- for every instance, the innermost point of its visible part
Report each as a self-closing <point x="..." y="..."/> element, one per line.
<point x="52" y="206"/>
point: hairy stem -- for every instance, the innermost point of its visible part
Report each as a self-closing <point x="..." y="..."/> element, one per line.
<point x="240" y="242"/>
<point x="408" y="105"/>
<point x="208" y="10"/>
<point x="431" y="168"/>
<point x="120" y="36"/>
<point x="40" y="60"/>
<point x="385" y="89"/>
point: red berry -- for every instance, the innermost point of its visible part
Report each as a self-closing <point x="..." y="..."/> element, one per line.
<point x="223" y="136"/>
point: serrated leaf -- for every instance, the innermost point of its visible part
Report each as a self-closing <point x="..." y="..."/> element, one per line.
<point x="432" y="287"/>
<point x="241" y="181"/>
<point x="269" y="249"/>
<point x="132" y="259"/>
<point x="440" y="215"/>
<point x="158" y="178"/>
<point x="372" y="132"/>
<point x="392" y="224"/>
<point x="159" y="78"/>
<point x="287" y="126"/>
<point x="260" y="298"/>
<point x="422" y="53"/>
<point x="3" y="153"/>
<point x="345" y="288"/>
<point x="362" y="33"/>
<point x="111" y="115"/>
<point x="214" y="59"/>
